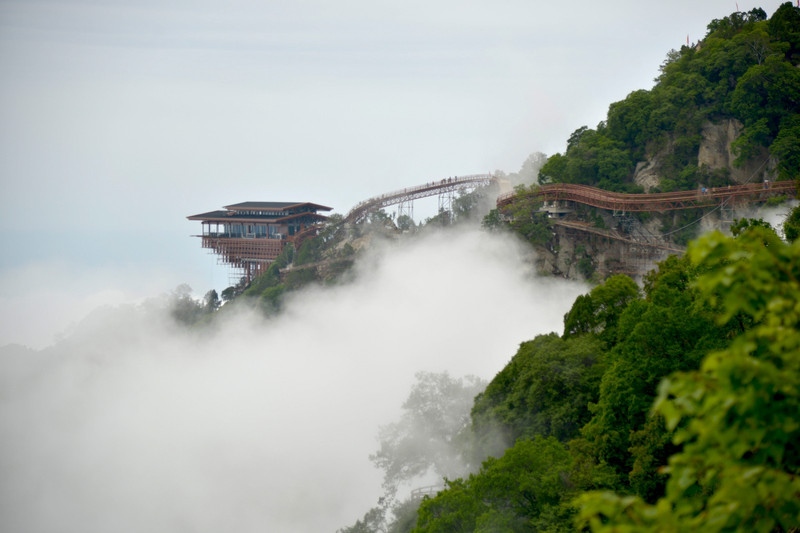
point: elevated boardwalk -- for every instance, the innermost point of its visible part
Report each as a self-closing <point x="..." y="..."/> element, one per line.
<point x="641" y="249"/>
<point x="449" y="185"/>
<point x="429" y="491"/>
<point x="620" y="202"/>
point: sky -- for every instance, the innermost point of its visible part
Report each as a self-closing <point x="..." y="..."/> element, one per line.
<point x="119" y="119"/>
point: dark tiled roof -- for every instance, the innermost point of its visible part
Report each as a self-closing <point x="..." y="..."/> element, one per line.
<point x="278" y="211"/>
<point x="275" y="206"/>
<point x="210" y="214"/>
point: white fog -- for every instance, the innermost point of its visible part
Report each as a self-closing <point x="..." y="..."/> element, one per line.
<point x="131" y="424"/>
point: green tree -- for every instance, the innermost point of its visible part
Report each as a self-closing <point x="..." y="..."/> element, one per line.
<point x="380" y="218"/>
<point x="600" y="310"/>
<point x="554" y="170"/>
<point x="741" y="224"/>
<point x="784" y="26"/>
<point x="211" y="301"/>
<point x="791" y="226"/>
<point x="405" y="223"/>
<point x="524" y="490"/>
<point x="229" y="294"/>
<point x="767" y="92"/>
<point x="373" y="521"/>
<point x="628" y="121"/>
<point x="427" y="436"/>
<point x="493" y="220"/>
<point x="786" y="147"/>
<point x="735" y="417"/>
<point x="667" y="331"/>
<point x="404" y="516"/>
<point x="467" y="206"/>
<point x="730" y="25"/>
<point x="745" y="69"/>
<point x="442" y="219"/>
<point x="526" y="220"/>
<point x="310" y="251"/>
<point x="183" y="308"/>
<point x="544" y="390"/>
<point x="581" y="317"/>
<point x="333" y="229"/>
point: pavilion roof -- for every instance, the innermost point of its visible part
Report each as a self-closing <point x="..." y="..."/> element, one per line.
<point x="232" y="212"/>
<point x="211" y="215"/>
<point x="275" y="206"/>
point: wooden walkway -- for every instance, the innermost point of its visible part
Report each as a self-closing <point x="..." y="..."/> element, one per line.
<point x="412" y="193"/>
<point x="730" y="196"/>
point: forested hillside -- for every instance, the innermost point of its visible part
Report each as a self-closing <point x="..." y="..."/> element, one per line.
<point x="744" y="70"/>
<point x="668" y="409"/>
<point x="671" y="406"/>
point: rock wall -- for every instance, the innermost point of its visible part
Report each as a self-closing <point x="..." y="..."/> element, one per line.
<point x="580" y="255"/>
<point x="716" y="152"/>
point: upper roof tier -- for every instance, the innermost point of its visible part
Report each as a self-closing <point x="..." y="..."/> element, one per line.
<point x="275" y="211"/>
<point x="276" y="206"/>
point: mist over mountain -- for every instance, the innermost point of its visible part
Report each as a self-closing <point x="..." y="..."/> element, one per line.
<point x="131" y="423"/>
<point x="266" y="414"/>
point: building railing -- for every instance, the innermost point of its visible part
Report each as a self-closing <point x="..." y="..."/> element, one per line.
<point x="229" y="235"/>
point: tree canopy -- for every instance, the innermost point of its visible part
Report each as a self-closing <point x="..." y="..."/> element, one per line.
<point x="745" y="68"/>
<point x="735" y="417"/>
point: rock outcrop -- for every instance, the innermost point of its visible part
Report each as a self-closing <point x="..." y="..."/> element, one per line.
<point x="715" y="152"/>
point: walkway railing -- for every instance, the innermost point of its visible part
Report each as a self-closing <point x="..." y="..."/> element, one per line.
<point x="362" y="209"/>
<point x="584" y="194"/>
<point x="430" y="490"/>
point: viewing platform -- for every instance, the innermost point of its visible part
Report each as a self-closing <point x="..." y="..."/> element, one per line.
<point x="248" y="236"/>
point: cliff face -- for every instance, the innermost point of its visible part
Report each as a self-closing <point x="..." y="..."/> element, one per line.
<point x="715" y="152"/>
<point x="581" y="255"/>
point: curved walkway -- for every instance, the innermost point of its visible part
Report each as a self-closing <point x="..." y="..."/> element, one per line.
<point x="584" y="194"/>
<point x="362" y="209"/>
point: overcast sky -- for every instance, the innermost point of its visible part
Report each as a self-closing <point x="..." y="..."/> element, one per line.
<point x="118" y="118"/>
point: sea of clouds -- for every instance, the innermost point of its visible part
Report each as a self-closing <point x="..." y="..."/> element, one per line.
<point x="132" y="423"/>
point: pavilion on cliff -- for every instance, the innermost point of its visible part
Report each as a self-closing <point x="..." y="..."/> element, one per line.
<point x="250" y="235"/>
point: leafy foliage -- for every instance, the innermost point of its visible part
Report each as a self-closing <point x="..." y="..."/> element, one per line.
<point x="521" y="491"/>
<point x="741" y="224"/>
<point x="669" y="330"/>
<point x="736" y="416"/>
<point x="744" y="69"/>
<point x="426" y="437"/>
<point x="685" y="396"/>
<point x="186" y="310"/>
<point x="599" y="311"/>
<point x="526" y="220"/>
<point x="544" y="390"/>
<point x="791" y="226"/>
